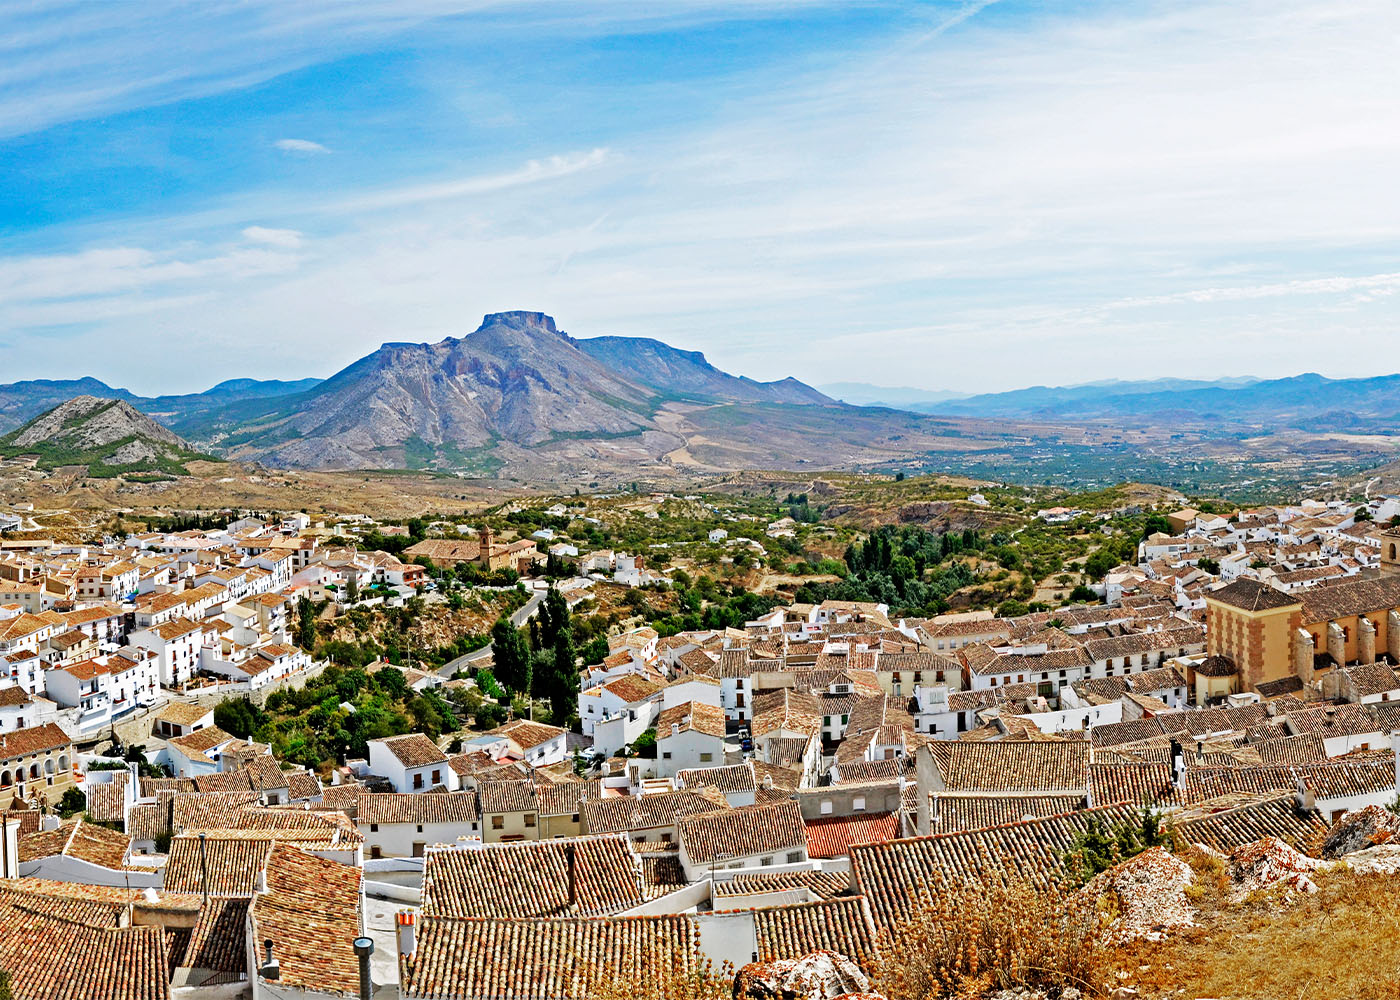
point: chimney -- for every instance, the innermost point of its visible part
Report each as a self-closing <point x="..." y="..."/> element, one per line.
<point x="271" y="968"/>
<point x="1178" y="762"/>
<point x="675" y="729"/>
<point x="407" y="938"/>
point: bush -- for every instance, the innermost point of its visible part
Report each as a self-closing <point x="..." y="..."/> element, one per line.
<point x="994" y="930"/>
<point x="72" y="803"/>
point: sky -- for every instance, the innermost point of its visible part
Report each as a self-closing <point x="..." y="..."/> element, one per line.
<point x="970" y="196"/>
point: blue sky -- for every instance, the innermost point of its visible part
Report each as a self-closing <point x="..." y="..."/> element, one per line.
<point x="953" y="195"/>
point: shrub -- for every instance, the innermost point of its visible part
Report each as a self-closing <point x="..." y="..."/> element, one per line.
<point x="995" y="930"/>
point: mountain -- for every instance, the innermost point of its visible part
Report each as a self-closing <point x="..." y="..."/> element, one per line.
<point x="109" y="436"/>
<point x="895" y="397"/>
<point x="1276" y="401"/>
<point x="515" y="379"/>
<point x="22" y="401"/>
<point x="687" y="375"/>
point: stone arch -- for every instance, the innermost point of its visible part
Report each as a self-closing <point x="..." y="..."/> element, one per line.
<point x="63" y="762"/>
<point x="48" y="766"/>
<point x="6" y="780"/>
<point x="34" y="770"/>
<point x="1392" y="551"/>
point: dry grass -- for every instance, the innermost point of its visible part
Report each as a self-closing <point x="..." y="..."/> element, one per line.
<point x="996" y="931"/>
<point x="1342" y="942"/>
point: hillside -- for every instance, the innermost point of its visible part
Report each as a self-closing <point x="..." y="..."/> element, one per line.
<point x="108" y="436"/>
<point x="687" y="375"/>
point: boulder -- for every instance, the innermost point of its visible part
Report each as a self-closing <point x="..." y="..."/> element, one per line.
<point x="1270" y="864"/>
<point x="822" y="975"/>
<point x="1147" y="894"/>
<point x="1359" y="830"/>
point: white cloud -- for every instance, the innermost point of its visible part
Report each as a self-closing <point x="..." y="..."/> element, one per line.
<point x="288" y="239"/>
<point x="532" y="172"/>
<point x="1202" y="188"/>
<point x="304" y="146"/>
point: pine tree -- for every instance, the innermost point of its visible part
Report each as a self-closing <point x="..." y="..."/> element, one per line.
<point x="306" y="623"/>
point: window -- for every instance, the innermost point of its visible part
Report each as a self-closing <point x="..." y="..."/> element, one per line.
<point x="665" y="838"/>
<point x="766" y="861"/>
<point x="437" y="777"/>
<point x="420" y="827"/>
<point x="666" y="755"/>
<point x="706" y="758"/>
<point x="498" y="822"/>
<point x="826" y="807"/>
<point x="374" y="828"/>
<point x="529" y="819"/>
<point x="418" y="780"/>
<point x="794" y="857"/>
<point x="858" y="804"/>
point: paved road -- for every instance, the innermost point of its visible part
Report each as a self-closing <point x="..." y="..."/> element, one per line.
<point x="477" y="655"/>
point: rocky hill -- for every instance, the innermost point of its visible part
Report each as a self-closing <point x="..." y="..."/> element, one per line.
<point x="108" y="436"/>
<point x="687" y="375"/>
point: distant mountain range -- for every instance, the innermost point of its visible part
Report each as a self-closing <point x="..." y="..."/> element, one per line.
<point x="517" y="397"/>
<point x="1307" y="402"/>
<point x="517" y="384"/>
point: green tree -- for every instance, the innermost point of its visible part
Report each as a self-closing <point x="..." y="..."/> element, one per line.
<point x="306" y="623"/>
<point x="511" y="655"/>
<point x="564" y="681"/>
<point x="352" y="588"/>
<point x="72" y="803"/>
<point x="1101" y="846"/>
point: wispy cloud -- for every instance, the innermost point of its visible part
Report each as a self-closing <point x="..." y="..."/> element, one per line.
<point x="532" y="172"/>
<point x="303" y="146"/>
<point x="288" y="239"/>
<point x="1020" y="197"/>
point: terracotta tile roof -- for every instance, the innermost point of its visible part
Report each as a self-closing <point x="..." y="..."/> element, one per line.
<point x="1134" y="783"/>
<point x="894" y="875"/>
<point x="692" y="716"/>
<point x="833" y="837"/>
<point x="731" y="778"/>
<point x="147" y="821"/>
<point x="661" y="871"/>
<point x="391" y="807"/>
<point x="34" y="739"/>
<point x="860" y="771"/>
<point x="632" y="688"/>
<point x="1012" y="765"/>
<point x="235" y="865"/>
<point x="959" y="812"/>
<point x="739" y="833"/>
<point x="311" y="913"/>
<point x="821" y="884"/>
<point x="106" y="800"/>
<point x="842" y="925"/>
<point x="182" y="713"/>
<point x="1252" y="595"/>
<point x="1356" y="597"/>
<point x="56" y="959"/>
<point x="507" y="797"/>
<point x="413" y="750"/>
<point x="219" y="939"/>
<point x="528" y="959"/>
<point x="78" y="839"/>
<point x="564" y="799"/>
<point x="224" y="781"/>
<point x="207" y="810"/>
<point x="624" y="814"/>
<point x="582" y="876"/>
<point x="1233" y="823"/>
<point x="526" y="734"/>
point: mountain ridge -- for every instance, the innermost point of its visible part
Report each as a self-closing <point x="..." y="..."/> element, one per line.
<point x="108" y="436"/>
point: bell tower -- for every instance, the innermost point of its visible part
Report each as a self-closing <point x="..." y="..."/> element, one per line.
<point x="1390" y="552"/>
